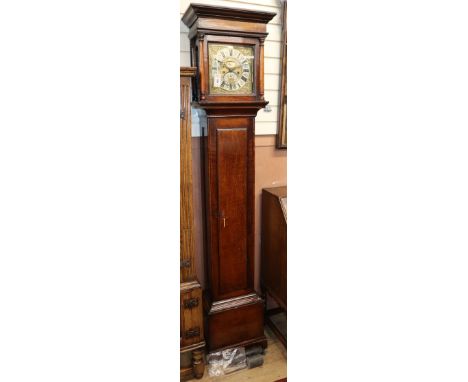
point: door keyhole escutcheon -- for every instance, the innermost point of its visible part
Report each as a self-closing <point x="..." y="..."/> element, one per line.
<point x="221" y="216"/>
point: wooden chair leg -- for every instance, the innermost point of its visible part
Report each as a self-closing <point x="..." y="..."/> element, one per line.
<point x="198" y="363"/>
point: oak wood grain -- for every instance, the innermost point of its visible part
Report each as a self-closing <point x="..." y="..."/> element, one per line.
<point x="187" y="272"/>
<point x="191" y="304"/>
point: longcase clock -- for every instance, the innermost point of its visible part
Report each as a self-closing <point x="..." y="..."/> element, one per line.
<point x="227" y="49"/>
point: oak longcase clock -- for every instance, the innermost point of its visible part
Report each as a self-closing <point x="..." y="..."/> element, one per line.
<point x="227" y="50"/>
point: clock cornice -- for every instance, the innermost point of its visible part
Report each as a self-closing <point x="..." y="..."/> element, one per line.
<point x="195" y="11"/>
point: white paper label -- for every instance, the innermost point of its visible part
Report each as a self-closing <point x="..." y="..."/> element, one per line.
<point x="217" y="80"/>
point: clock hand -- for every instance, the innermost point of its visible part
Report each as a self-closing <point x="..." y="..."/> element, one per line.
<point x="234" y="68"/>
<point x="227" y="67"/>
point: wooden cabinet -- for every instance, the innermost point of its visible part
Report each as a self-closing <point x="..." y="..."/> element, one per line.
<point x="273" y="277"/>
<point x="227" y="48"/>
<point x="191" y="316"/>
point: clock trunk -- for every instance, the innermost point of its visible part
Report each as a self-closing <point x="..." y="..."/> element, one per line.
<point x="234" y="311"/>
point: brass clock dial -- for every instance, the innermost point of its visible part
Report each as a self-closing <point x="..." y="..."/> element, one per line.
<point x="231" y="69"/>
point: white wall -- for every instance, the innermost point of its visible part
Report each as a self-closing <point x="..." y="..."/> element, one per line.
<point x="266" y="122"/>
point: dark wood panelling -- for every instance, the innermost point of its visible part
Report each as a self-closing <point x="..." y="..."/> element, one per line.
<point x="230" y="196"/>
<point x="274" y="250"/>
<point x="232" y="208"/>
<point x="274" y="241"/>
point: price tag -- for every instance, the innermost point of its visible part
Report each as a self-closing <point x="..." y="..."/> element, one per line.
<point x="217" y="81"/>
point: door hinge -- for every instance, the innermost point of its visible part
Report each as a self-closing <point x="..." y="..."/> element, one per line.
<point x="182" y="114"/>
<point x="185" y="263"/>
<point x="194" y="332"/>
<point x="191" y="303"/>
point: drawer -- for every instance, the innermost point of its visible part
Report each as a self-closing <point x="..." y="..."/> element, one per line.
<point x="191" y="317"/>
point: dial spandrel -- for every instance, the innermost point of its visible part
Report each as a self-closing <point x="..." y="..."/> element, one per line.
<point x="230" y="69"/>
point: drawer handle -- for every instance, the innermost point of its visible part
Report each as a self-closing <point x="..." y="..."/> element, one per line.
<point x="194" y="332"/>
<point x="191" y="303"/>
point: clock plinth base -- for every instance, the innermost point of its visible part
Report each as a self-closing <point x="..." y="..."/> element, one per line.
<point x="235" y="322"/>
